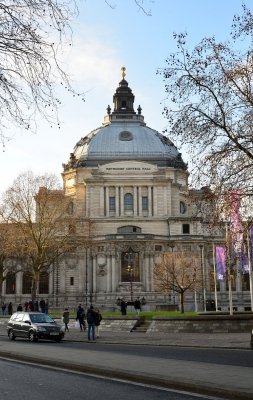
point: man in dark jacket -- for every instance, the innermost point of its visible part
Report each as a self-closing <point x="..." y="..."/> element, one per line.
<point x="91" y="316"/>
<point x="80" y="315"/>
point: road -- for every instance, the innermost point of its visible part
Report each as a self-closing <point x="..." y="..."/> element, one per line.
<point x="210" y="371"/>
<point x="22" y="381"/>
<point x="221" y="356"/>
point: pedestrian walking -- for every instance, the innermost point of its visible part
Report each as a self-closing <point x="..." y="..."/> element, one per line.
<point x="123" y="307"/>
<point x="137" y="306"/>
<point x="10" y="308"/>
<point x="4" y="308"/>
<point x="98" y="319"/>
<point x="42" y="305"/>
<point x="80" y="315"/>
<point x="19" y="307"/>
<point x="36" y="306"/>
<point x="91" y="322"/>
<point x="65" y="318"/>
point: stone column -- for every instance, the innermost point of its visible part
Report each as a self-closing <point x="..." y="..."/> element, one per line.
<point x="121" y="200"/>
<point x="117" y="201"/>
<point x="149" y="202"/>
<point x="102" y="202"/>
<point x="113" y="273"/>
<point x="151" y="268"/>
<point x="107" y="201"/>
<point x="94" y="274"/>
<point x="109" y="274"/>
<point x="135" y="200"/>
<point x="147" y="278"/>
<point x="19" y="276"/>
<point x="87" y="202"/>
<point x="155" y="200"/>
<point x="140" y="201"/>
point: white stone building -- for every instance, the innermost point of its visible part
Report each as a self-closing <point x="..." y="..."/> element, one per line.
<point x="131" y="183"/>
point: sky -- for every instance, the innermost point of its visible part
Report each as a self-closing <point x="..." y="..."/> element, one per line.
<point x="107" y="35"/>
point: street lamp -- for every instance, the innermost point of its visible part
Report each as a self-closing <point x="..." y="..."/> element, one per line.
<point x="130" y="276"/>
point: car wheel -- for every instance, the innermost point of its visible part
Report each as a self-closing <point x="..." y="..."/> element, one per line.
<point x="11" y="335"/>
<point x="32" y="336"/>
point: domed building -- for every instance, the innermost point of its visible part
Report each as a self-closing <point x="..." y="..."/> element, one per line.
<point x="129" y="189"/>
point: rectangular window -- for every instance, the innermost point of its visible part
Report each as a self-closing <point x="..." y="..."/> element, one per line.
<point x="158" y="247"/>
<point x="186" y="229"/>
<point x="145" y="203"/>
<point x="71" y="281"/>
<point x="112" y="203"/>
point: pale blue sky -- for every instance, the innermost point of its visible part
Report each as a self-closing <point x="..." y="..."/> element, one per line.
<point x="104" y="39"/>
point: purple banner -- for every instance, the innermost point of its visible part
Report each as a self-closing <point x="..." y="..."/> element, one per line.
<point x="220" y="262"/>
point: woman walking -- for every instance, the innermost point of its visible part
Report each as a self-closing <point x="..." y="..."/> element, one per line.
<point x="65" y="318"/>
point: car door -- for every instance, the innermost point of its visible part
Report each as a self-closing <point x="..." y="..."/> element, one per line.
<point x="26" y="324"/>
<point x="17" y="324"/>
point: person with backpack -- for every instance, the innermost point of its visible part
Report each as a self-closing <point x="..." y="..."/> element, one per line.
<point x="91" y="316"/>
<point x="80" y="315"/>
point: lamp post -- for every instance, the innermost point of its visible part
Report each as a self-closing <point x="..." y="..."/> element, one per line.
<point x="86" y="278"/>
<point x="203" y="276"/>
<point x="130" y="275"/>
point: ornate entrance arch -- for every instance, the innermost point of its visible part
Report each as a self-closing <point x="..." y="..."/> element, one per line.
<point x="130" y="266"/>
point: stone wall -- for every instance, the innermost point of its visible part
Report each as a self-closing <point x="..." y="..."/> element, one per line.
<point x="202" y="324"/>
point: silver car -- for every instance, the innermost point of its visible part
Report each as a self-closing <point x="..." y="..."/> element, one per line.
<point x="34" y="326"/>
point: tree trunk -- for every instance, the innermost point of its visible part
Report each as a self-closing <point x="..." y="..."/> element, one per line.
<point x="182" y="302"/>
<point x="35" y="285"/>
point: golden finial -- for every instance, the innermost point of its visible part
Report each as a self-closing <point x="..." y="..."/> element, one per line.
<point x="123" y="73"/>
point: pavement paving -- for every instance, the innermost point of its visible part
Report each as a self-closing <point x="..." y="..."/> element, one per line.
<point x="230" y="382"/>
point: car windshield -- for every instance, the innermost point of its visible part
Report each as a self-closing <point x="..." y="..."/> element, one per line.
<point x="40" y="318"/>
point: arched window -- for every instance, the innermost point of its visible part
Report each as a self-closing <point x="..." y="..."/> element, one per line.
<point x="130" y="269"/>
<point x="44" y="283"/>
<point x="10" y="283"/>
<point x="128" y="201"/>
<point x="27" y="283"/>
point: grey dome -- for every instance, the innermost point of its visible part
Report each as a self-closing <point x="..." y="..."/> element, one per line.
<point x="124" y="136"/>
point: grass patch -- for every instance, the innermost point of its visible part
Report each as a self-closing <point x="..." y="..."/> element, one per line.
<point x="147" y="314"/>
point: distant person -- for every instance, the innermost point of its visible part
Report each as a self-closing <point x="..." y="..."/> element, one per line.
<point x="10" y="308"/>
<point x="123" y="307"/>
<point x="30" y="306"/>
<point x="91" y="322"/>
<point x="98" y="319"/>
<point x="65" y="318"/>
<point x="80" y="315"/>
<point x="42" y="305"/>
<point x="36" y="306"/>
<point x="137" y="306"/>
<point x="26" y="306"/>
<point x="46" y="307"/>
<point x="4" y="308"/>
<point x="19" y="307"/>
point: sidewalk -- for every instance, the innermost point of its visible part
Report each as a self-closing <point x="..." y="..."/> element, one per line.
<point x="226" y="381"/>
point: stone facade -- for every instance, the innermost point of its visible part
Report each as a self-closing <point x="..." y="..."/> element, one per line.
<point x="129" y="193"/>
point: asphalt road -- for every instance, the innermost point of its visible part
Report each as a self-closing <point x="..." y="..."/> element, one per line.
<point x="22" y="381"/>
<point x="221" y="372"/>
<point x="237" y="358"/>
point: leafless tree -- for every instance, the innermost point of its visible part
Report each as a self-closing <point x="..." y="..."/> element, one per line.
<point x="178" y="272"/>
<point x="210" y="106"/>
<point x="32" y="34"/>
<point x="8" y="251"/>
<point x="37" y="207"/>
